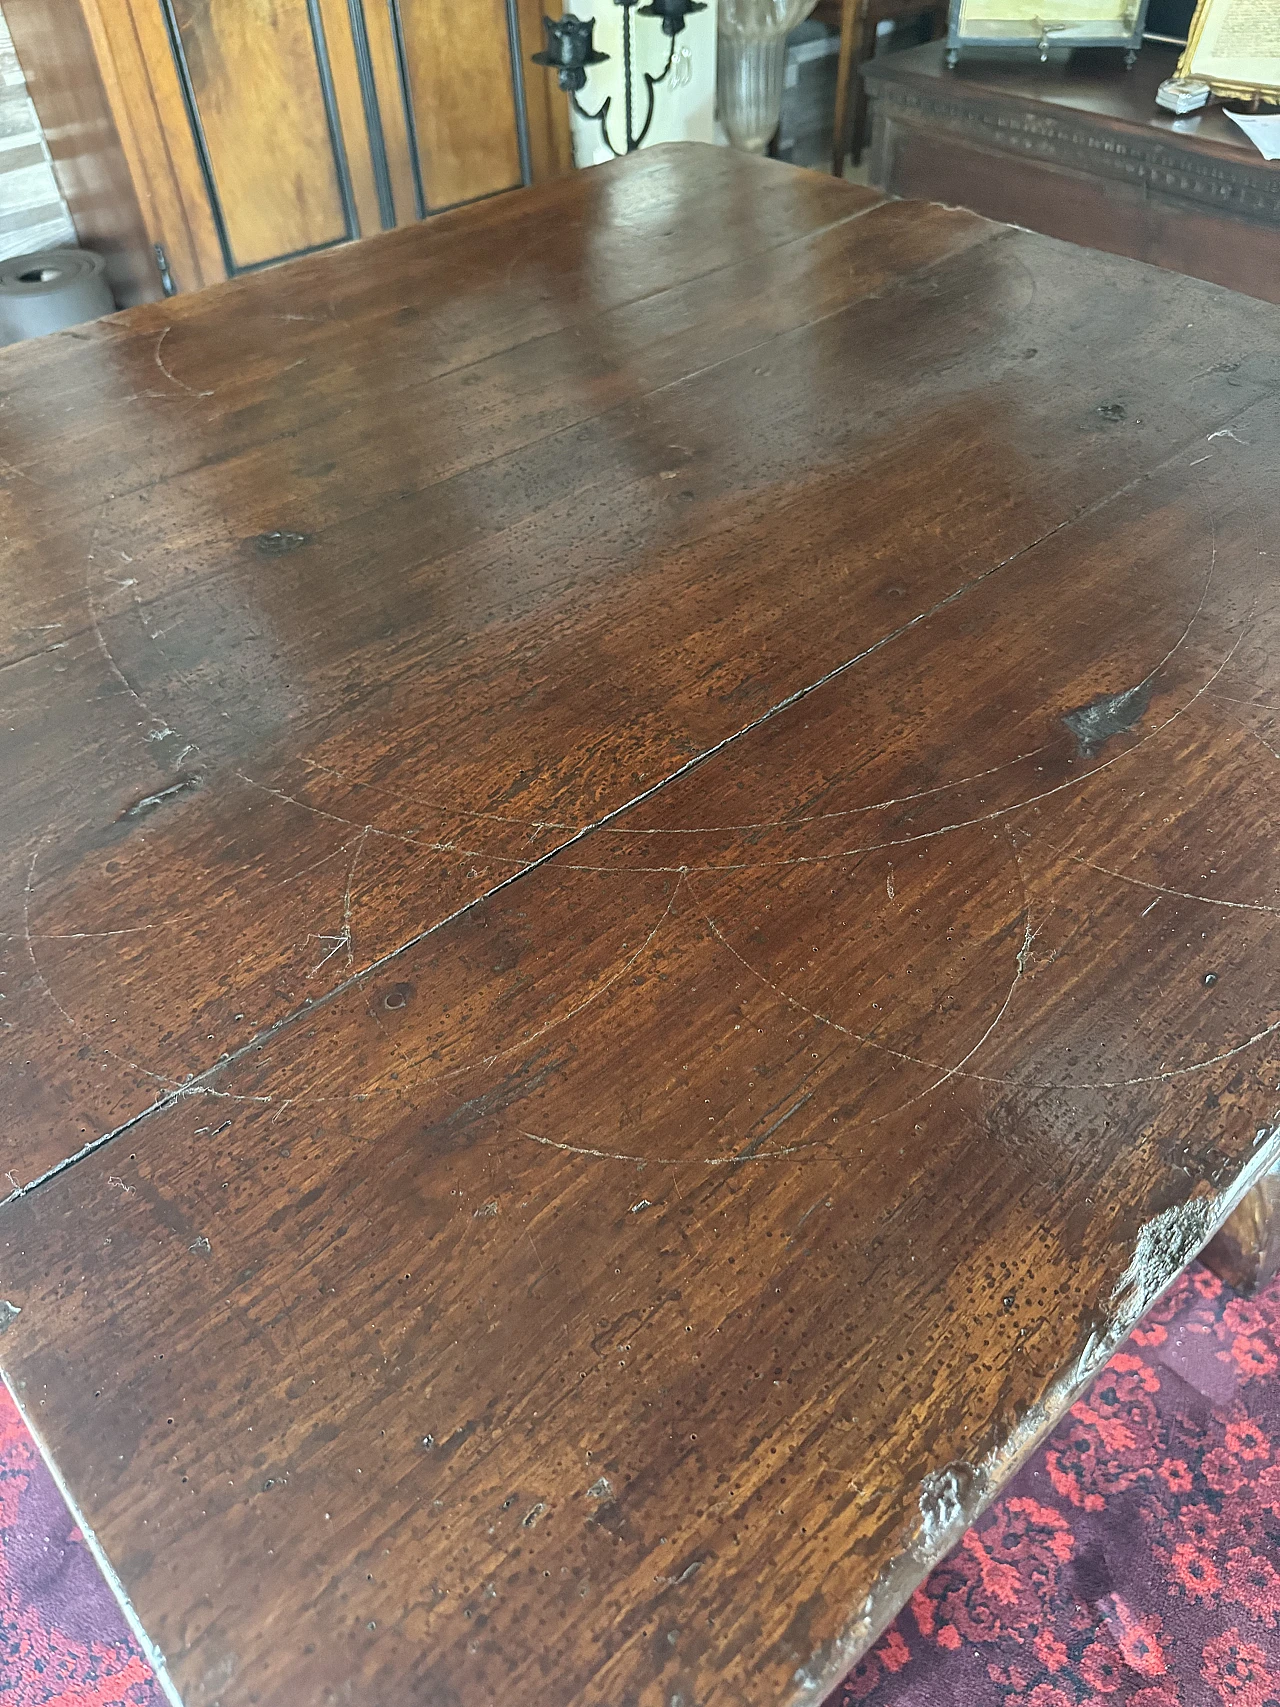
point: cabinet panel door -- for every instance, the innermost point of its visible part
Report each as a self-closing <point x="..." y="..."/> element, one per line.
<point x="256" y="129"/>
<point x="258" y="80"/>
<point x="359" y="125"/>
<point x="550" y="147"/>
<point x="385" y="37"/>
<point x="458" y="69"/>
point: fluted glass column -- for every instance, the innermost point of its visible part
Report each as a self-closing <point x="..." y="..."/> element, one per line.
<point x="749" y="58"/>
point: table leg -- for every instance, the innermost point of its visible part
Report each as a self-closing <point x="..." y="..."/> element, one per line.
<point x="864" y="48"/>
<point x="1246" y="1253"/>
<point x="850" y="38"/>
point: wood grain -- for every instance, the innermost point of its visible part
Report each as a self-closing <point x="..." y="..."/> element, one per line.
<point x="266" y="132"/>
<point x="141" y="83"/>
<point x="734" y="798"/>
<point x="217" y="390"/>
<point x="114" y="105"/>
<point x="391" y="109"/>
<point x="345" y="469"/>
<point x="353" y="122"/>
<point x="463" y="106"/>
<point x="65" y="85"/>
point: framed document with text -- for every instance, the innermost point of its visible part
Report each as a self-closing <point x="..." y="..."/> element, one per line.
<point x="1234" y="47"/>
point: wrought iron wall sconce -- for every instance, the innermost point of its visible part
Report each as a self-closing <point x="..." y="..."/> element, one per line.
<point x="570" y="49"/>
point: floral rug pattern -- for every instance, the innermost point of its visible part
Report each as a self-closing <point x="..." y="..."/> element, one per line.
<point x="1134" y="1561"/>
<point x="63" y="1639"/>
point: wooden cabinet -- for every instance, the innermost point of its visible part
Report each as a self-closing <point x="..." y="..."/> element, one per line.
<point x="247" y="131"/>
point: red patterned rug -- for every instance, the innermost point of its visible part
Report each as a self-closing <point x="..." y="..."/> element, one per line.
<point x="1132" y="1563"/>
<point x="63" y="1640"/>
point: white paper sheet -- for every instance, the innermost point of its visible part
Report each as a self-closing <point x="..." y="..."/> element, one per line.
<point x="1264" y="132"/>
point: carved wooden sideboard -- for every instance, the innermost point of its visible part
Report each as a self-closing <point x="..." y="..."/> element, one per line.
<point x="1078" y="149"/>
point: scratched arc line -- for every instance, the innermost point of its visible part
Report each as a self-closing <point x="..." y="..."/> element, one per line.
<point x="401" y="1089"/>
<point x="522" y="866"/>
<point x="621" y="829"/>
<point x="783" y="1151"/>
<point x="189" y="1086"/>
<point x="192" y="1085"/>
<point x="943" y="829"/>
<point x="609" y="826"/>
<point x="998" y="1078"/>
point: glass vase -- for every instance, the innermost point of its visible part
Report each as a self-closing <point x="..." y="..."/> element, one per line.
<point x="751" y="47"/>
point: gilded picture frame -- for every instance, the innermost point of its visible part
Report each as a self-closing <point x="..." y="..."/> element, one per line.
<point x="1198" y="60"/>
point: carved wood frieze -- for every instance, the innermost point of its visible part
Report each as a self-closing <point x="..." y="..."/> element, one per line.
<point x="1073" y="144"/>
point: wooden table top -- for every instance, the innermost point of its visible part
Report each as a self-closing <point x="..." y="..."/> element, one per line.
<point x="639" y="914"/>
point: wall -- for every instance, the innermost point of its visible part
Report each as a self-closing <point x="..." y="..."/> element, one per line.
<point x="686" y="113"/>
<point x="1170" y="17"/>
<point x="33" y="214"/>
